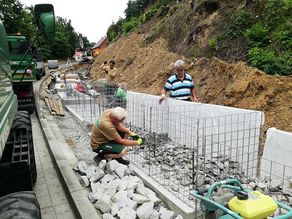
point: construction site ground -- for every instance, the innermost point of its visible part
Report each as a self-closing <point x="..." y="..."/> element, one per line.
<point x="77" y="141"/>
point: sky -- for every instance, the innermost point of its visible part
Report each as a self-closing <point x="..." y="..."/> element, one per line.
<point x="91" y="18"/>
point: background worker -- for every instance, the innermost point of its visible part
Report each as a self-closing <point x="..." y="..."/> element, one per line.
<point x="109" y="137"/>
<point x="110" y="70"/>
<point x="180" y="85"/>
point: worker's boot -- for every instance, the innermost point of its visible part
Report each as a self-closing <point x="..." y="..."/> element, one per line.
<point x="123" y="161"/>
<point x="98" y="158"/>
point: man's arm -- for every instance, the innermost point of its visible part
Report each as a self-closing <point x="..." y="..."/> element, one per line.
<point x="103" y="66"/>
<point x="124" y="141"/>
<point x="112" y="72"/>
<point x="120" y="127"/>
<point x="163" y="96"/>
<point x="195" y="99"/>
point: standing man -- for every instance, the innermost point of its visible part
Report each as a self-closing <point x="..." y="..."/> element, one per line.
<point x="180" y="85"/>
<point x="110" y="70"/>
<point x="109" y="137"/>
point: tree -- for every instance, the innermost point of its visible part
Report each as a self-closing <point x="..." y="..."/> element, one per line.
<point x="135" y="8"/>
<point x="65" y="39"/>
<point x="17" y="19"/>
<point x="86" y="42"/>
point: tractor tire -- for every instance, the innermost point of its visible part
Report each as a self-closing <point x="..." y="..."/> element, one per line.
<point x="20" y="205"/>
<point x="19" y="145"/>
<point x="22" y="120"/>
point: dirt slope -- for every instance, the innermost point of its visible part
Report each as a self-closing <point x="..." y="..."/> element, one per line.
<point x="145" y="68"/>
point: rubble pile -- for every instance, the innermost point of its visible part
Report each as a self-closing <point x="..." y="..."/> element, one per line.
<point x="117" y="192"/>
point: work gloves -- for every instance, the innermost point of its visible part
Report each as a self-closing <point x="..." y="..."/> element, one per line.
<point x="136" y="137"/>
<point x="139" y="141"/>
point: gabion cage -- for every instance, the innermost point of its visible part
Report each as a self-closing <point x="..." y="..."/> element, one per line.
<point x="89" y="100"/>
<point x="188" y="145"/>
<point x="274" y="171"/>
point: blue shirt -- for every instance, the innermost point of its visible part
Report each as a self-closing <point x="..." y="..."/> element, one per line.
<point x="180" y="89"/>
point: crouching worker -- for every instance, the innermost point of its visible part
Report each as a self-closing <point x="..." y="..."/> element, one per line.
<point x="109" y="137"/>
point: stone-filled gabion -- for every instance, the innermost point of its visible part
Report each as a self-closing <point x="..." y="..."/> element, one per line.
<point x="182" y="166"/>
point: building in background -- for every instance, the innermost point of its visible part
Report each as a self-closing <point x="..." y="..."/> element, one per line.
<point x="100" y="46"/>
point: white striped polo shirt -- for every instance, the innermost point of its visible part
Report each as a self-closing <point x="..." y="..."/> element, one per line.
<point x="180" y="89"/>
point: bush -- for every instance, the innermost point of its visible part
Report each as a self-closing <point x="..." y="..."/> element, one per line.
<point x="285" y="61"/>
<point x="115" y="30"/>
<point x="274" y="11"/>
<point x="240" y="22"/>
<point x="213" y="43"/>
<point x="130" y="25"/>
<point x="268" y="62"/>
<point x="283" y="39"/>
<point x="150" y="13"/>
<point x="257" y="35"/>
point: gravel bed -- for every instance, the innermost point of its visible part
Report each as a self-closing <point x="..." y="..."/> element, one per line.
<point x="77" y="137"/>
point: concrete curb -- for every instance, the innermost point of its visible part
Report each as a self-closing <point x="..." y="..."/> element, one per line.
<point x="64" y="161"/>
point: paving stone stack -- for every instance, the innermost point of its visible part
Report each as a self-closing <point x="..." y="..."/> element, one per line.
<point x="117" y="193"/>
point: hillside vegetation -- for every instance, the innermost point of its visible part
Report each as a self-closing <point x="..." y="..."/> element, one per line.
<point x="144" y="60"/>
<point x="256" y="31"/>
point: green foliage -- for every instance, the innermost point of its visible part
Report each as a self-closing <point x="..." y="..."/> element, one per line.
<point x="274" y="11"/>
<point x="112" y="35"/>
<point x="16" y="18"/>
<point x="150" y="13"/>
<point x="130" y="25"/>
<point x="115" y="30"/>
<point x="270" y="63"/>
<point x="137" y="12"/>
<point x="161" y="3"/>
<point x="240" y="22"/>
<point x="86" y="42"/>
<point x="213" y="43"/>
<point x="135" y="8"/>
<point x="257" y="35"/>
<point x="270" y="40"/>
<point x="46" y="50"/>
<point x="264" y="28"/>
<point x="66" y="40"/>
<point x="283" y="38"/>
